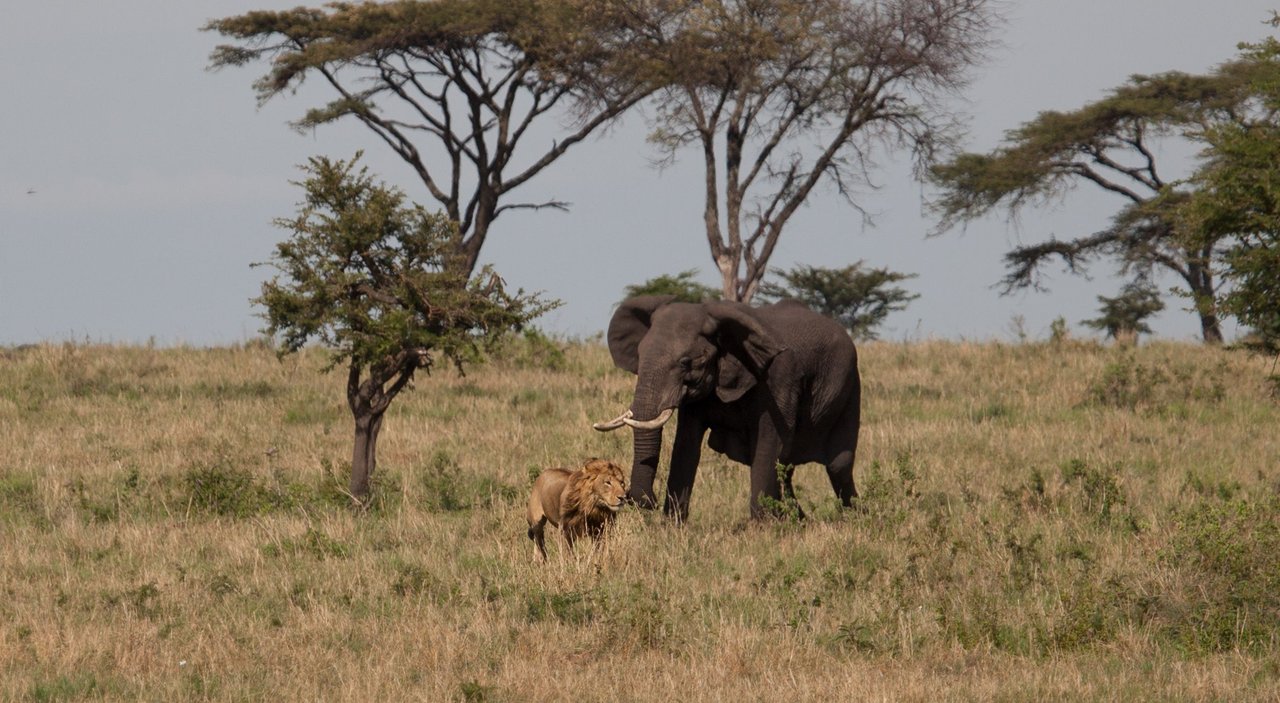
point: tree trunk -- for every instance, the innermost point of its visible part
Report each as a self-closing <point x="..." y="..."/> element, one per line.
<point x="364" y="456"/>
<point x="1210" y="329"/>
<point x="1202" y="293"/>
<point x="369" y="400"/>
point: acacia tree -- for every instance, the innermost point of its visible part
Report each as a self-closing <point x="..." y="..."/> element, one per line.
<point x="1239" y="204"/>
<point x="683" y="286"/>
<point x="780" y="96"/>
<point x="1123" y="317"/>
<point x="370" y="277"/>
<point x="1111" y="144"/>
<point x="1236" y="202"/>
<point x="858" y="298"/>
<point x="453" y="87"/>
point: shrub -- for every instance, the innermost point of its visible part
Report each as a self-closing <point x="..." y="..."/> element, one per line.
<point x="1130" y="385"/>
<point x="1227" y="557"/>
<point x="313" y="543"/>
<point x="569" y="607"/>
<point x="226" y="491"/>
<point x="446" y="488"/>
<point x="1100" y="488"/>
<point x="19" y="500"/>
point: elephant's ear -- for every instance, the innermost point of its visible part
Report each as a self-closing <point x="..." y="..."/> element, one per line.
<point x="739" y="333"/>
<point x="629" y="325"/>
<point x="733" y="379"/>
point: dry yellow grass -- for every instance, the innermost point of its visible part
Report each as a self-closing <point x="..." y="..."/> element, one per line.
<point x="1038" y="522"/>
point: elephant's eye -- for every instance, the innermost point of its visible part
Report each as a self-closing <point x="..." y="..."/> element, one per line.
<point x="686" y="363"/>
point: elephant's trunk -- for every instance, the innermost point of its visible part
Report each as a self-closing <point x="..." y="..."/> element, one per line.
<point x="647" y="447"/>
<point x="647" y="438"/>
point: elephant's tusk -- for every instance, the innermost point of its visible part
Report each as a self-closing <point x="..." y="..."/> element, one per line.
<point x="613" y="424"/>
<point x="653" y="424"/>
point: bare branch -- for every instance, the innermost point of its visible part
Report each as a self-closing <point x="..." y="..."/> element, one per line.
<point x="549" y="205"/>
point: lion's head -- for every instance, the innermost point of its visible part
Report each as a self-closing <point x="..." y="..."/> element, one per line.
<point x="595" y="493"/>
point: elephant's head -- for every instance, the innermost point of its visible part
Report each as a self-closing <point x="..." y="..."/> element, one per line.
<point x="683" y="352"/>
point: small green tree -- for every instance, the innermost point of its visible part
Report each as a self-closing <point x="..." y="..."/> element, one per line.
<point x="1123" y="317"/>
<point x="859" y="299"/>
<point x="374" y="279"/>
<point x="682" y="286"/>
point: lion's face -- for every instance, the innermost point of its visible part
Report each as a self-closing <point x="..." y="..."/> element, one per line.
<point x="608" y="486"/>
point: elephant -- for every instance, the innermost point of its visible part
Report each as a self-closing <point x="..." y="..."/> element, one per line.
<point x="774" y="385"/>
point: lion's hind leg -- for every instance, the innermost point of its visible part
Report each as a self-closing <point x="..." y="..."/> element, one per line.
<point x="536" y="533"/>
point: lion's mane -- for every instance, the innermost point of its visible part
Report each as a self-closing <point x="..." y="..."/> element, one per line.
<point x="582" y="510"/>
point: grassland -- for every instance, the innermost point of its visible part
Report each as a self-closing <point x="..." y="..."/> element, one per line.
<point x="1038" y="521"/>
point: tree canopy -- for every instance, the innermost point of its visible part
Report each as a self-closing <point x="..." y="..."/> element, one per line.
<point x="1123" y="317"/>
<point x="1236" y="201"/>
<point x="453" y="87"/>
<point x="780" y="96"/>
<point x="369" y="277"/>
<point x="682" y="285"/>
<point x="859" y="299"/>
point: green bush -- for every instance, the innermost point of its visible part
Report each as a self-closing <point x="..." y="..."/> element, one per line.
<point x="447" y="488"/>
<point x="19" y="500"/>
<point x="1227" y="557"/>
<point x="1131" y="385"/>
<point x="313" y="543"/>
<point x="224" y="490"/>
<point x="569" y="607"/>
<point x="1100" y="491"/>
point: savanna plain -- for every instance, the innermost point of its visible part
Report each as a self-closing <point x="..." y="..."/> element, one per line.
<point x="1060" y="521"/>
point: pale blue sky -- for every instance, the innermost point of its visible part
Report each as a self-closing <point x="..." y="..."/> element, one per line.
<point x="155" y="182"/>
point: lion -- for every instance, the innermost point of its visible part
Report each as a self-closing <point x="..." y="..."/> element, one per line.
<point x="582" y="502"/>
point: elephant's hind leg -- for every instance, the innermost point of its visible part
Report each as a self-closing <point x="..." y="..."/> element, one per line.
<point x="842" y="445"/>
<point x="840" y="473"/>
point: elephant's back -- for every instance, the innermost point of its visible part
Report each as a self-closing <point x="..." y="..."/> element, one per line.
<point x="808" y="332"/>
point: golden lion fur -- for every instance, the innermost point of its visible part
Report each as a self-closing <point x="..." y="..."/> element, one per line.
<point x="581" y="502"/>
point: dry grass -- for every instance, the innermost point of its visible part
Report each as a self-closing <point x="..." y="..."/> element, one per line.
<point x="1061" y="522"/>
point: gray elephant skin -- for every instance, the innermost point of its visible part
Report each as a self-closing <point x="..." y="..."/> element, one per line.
<point x="772" y="384"/>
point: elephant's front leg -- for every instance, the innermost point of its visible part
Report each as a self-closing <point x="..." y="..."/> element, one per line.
<point x="686" y="452"/>
<point x="765" y="485"/>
